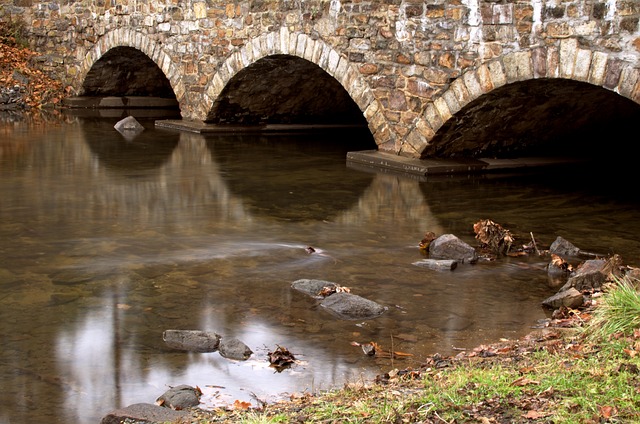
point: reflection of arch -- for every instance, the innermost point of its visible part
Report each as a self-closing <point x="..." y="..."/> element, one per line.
<point x="313" y="50"/>
<point x="397" y="197"/>
<point x="123" y="37"/>
<point x="270" y="191"/>
<point x="147" y="151"/>
<point x="567" y="62"/>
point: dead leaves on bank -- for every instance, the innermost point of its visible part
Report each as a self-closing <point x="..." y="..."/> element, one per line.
<point x="17" y="68"/>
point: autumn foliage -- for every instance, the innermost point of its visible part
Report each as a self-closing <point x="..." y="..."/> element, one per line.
<point x="17" y="69"/>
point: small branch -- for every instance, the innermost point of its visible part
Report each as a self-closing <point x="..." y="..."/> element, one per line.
<point x="535" y="246"/>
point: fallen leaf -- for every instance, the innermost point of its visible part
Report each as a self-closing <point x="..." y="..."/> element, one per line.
<point x="534" y="415"/>
<point x="238" y="404"/>
<point x="524" y="381"/>
<point x="607" y="411"/>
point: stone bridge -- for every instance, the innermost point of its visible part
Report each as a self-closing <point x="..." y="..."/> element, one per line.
<point x="428" y="78"/>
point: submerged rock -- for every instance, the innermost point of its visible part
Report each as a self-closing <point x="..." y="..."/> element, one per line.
<point x="351" y="306"/>
<point x="192" y="340"/>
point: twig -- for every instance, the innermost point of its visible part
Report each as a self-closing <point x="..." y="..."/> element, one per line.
<point x="534" y="243"/>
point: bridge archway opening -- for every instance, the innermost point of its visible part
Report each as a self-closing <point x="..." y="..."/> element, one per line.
<point x="285" y="89"/>
<point x="541" y="118"/>
<point x="126" y="72"/>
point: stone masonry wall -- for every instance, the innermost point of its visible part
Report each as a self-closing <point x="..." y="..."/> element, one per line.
<point x="409" y="65"/>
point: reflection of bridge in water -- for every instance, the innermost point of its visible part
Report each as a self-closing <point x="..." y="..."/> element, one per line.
<point x="204" y="182"/>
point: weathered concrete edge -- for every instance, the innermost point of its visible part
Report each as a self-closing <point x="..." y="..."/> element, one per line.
<point x="204" y="128"/>
<point x="119" y="102"/>
<point x="423" y="167"/>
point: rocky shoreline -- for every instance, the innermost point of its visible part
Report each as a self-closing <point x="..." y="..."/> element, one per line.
<point x="580" y="282"/>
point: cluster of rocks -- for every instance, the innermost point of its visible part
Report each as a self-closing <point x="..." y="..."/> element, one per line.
<point x="577" y="283"/>
<point x="338" y="300"/>
<point x="581" y="282"/>
<point x="13" y="98"/>
<point x="173" y="405"/>
<point x="207" y="341"/>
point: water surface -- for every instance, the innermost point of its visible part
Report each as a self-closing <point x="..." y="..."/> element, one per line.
<point x="107" y="242"/>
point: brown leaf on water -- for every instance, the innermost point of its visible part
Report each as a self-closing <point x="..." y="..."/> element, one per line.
<point x="281" y="358"/>
<point x="399" y="354"/>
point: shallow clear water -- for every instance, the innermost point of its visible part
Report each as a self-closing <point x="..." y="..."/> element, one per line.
<point x="105" y="243"/>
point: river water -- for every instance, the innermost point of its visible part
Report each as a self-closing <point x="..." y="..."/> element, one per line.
<point x="107" y="242"/>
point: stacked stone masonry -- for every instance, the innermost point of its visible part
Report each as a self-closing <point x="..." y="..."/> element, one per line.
<point x="408" y="65"/>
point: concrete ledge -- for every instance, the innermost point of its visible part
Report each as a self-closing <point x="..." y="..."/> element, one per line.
<point x="204" y="128"/>
<point x="124" y="102"/>
<point x="422" y="167"/>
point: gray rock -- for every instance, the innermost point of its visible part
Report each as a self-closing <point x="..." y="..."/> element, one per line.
<point x="180" y="397"/>
<point x="312" y="287"/>
<point x="231" y="348"/>
<point x="563" y="248"/>
<point x="129" y="127"/>
<point x="448" y="246"/>
<point x="437" y="264"/>
<point x="350" y="306"/>
<point x="192" y="340"/>
<point x="143" y="413"/>
<point x="588" y="276"/>
<point x="570" y="298"/>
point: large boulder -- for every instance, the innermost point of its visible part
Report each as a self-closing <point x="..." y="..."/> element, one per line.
<point x="192" y="340"/>
<point x="448" y="246"/>
<point x="588" y="276"/>
<point x="144" y="413"/>
<point x="351" y="306"/>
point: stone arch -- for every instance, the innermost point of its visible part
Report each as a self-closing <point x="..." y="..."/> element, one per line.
<point x="123" y="37"/>
<point x="568" y="61"/>
<point x="315" y="51"/>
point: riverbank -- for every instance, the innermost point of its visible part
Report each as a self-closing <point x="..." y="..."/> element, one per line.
<point x="582" y="367"/>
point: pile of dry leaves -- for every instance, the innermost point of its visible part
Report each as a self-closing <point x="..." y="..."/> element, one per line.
<point x="22" y="86"/>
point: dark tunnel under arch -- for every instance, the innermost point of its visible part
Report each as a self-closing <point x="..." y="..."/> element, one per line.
<point x="540" y="117"/>
<point x="126" y="71"/>
<point x="285" y="89"/>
